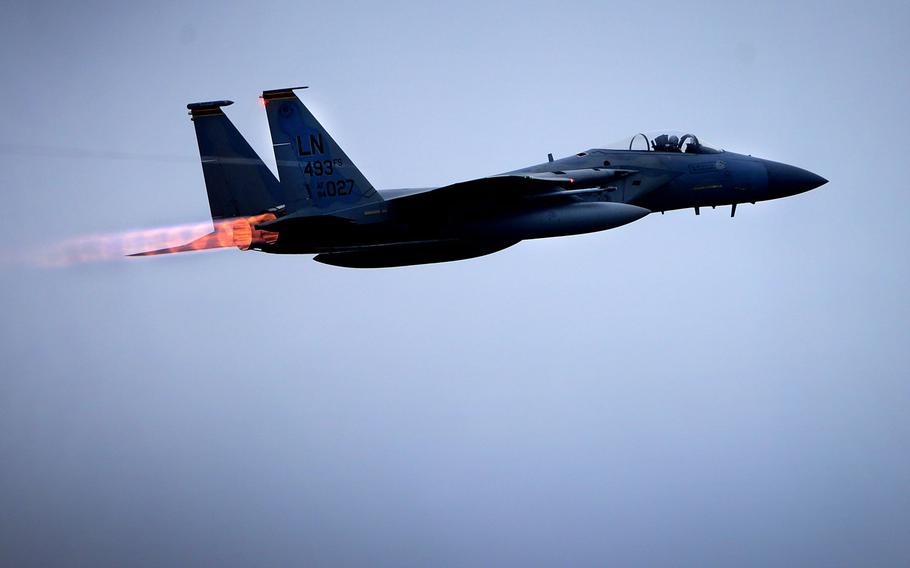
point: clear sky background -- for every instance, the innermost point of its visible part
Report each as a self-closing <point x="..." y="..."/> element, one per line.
<point x="686" y="391"/>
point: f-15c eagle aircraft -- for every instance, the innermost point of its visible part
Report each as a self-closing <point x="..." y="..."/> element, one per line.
<point x="324" y="205"/>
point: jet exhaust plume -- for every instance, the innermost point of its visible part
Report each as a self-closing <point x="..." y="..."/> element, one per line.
<point x="111" y="247"/>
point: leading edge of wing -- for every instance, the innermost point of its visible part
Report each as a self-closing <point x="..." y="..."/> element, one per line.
<point x="539" y="184"/>
<point x="499" y="187"/>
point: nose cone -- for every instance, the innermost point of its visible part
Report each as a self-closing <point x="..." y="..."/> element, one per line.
<point x="784" y="180"/>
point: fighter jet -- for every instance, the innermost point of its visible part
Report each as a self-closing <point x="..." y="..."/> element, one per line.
<point x="324" y="205"/>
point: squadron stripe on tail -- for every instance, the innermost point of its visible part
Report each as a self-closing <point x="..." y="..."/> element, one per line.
<point x="279" y="94"/>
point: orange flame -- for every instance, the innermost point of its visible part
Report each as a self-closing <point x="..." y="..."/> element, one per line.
<point x="239" y="232"/>
<point x="246" y="234"/>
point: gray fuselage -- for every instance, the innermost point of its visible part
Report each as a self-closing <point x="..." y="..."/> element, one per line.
<point x="654" y="181"/>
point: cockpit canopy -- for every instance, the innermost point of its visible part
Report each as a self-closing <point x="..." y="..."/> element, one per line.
<point x="665" y="141"/>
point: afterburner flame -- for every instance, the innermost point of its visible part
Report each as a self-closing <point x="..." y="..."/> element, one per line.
<point x="245" y="234"/>
<point x="223" y="233"/>
<point x="240" y="233"/>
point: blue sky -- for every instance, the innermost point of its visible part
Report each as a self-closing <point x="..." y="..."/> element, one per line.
<point x="684" y="390"/>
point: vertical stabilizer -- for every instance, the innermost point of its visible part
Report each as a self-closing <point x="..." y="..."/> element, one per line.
<point x="315" y="172"/>
<point x="238" y="183"/>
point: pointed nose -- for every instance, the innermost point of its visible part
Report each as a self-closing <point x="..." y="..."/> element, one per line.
<point x="786" y="180"/>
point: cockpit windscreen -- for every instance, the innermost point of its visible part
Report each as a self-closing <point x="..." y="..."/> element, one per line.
<point x="668" y="141"/>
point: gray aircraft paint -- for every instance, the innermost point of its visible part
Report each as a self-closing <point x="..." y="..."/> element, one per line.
<point x="332" y="210"/>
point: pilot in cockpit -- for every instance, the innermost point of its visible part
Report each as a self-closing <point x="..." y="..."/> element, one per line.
<point x="664" y="143"/>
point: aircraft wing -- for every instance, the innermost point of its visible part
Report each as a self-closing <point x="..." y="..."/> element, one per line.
<point x="520" y="184"/>
<point x="499" y="189"/>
